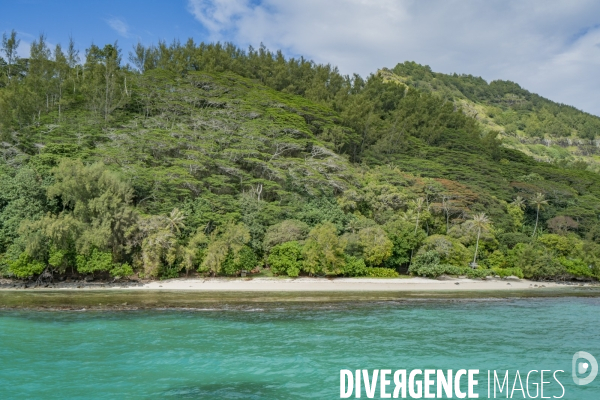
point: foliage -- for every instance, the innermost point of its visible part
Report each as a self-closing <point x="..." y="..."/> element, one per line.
<point x="286" y="259"/>
<point x="245" y="259"/>
<point x="121" y="271"/>
<point x="286" y="231"/>
<point x="377" y="272"/>
<point x="375" y="245"/>
<point x="504" y="272"/>
<point x="207" y="157"/>
<point x="225" y="248"/>
<point x="448" y="249"/>
<point x="97" y="261"/>
<point x="24" y="267"/>
<point x="355" y="266"/>
<point x="323" y="251"/>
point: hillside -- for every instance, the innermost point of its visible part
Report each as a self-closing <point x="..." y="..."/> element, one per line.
<point x="203" y="158"/>
<point x="538" y="127"/>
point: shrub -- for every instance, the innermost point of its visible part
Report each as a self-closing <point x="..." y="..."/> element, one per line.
<point x="511" y="239"/>
<point x="504" y="272"/>
<point x="576" y="267"/>
<point x="246" y="259"/>
<point x="96" y="261"/>
<point x="435" y="270"/>
<point x="377" y="272"/>
<point x="286" y="231"/>
<point x="479" y="273"/>
<point x="355" y="267"/>
<point x="24" y="267"/>
<point x="545" y="267"/>
<point x="121" y="271"/>
<point x="449" y="250"/>
<point x="286" y="259"/>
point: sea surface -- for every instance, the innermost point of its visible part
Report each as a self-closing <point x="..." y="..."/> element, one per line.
<point x="289" y="350"/>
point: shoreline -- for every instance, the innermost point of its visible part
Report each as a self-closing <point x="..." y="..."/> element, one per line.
<point x="303" y="284"/>
<point x="222" y="294"/>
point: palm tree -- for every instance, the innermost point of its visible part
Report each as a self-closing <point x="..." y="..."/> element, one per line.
<point x="175" y="220"/>
<point x="482" y="223"/>
<point x="418" y="207"/>
<point x="539" y="201"/>
<point x="519" y="202"/>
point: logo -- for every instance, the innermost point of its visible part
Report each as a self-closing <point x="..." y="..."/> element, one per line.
<point x="581" y="367"/>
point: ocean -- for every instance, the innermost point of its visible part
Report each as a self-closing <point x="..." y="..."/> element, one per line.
<point x="290" y="349"/>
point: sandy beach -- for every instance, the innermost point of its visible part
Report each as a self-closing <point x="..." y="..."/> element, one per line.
<point x="343" y="285"/>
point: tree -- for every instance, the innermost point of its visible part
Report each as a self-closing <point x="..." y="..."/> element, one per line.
<point x="286" y="258"/>
<point x="562" y="224"/>
<point x="482" y="223"/>
<point x="10" y="44"/>
<point x="194" y="250"/>
<point x="286" y="231"/>
<point x="175" y="220"/>
<point x="225" y="241"/>
<point x="538" y="201"/>
<point x="375" y="245"/>
<point x="418" y="207"/>
<point x="323" y="250"/>
<point x="404" y="240"/>
<point x="61" y="71"/>
<point x="515" y="210"/>
<point x="519" y="202"/>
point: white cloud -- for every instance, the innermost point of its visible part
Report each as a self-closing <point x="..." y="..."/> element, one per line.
<point x="119" y="26"/>
<point x="549" y="47"/>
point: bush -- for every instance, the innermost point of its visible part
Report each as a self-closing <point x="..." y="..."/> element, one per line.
<point x="545" y="267"/>
<point x="377" y="272"/>
<point x="246" y="259"/>
<point x="121" y="271"/>
<point x="355" y="267"/>
<point x="504" y="272"/>
<point x="286" y="259"/>
<point x="290" y="230"/>
<point x="449" y="250"/>
<point x="577" y="267"/>
<point x="510" y="239"/>
<point x="435" y="270"/>
<point x="24" y="267"/>
<point x="479" y="273"/>
<point x="95" y="262"/>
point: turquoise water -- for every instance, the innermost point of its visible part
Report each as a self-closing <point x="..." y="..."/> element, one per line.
<point x="282" y="351"/>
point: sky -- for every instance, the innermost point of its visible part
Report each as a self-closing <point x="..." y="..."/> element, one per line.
<point x="550" y="47"/>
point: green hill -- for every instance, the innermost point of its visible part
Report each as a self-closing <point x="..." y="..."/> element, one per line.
<point x="538" y="127"/>
<point x="209" y="159"/>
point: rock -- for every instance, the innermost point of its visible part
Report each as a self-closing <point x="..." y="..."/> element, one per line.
<point x="513" y="278"/>
<point x="89" y="278"/>
<point x="457" y="283"/>
<point x="445" y="278"/>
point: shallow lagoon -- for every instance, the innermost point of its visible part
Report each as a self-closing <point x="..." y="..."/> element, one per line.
<point x="260" y="347"/>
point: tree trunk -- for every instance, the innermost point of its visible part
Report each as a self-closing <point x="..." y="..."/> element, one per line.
<point x="476" y="247"/>
<point x="417" y="225"/>
<point x="537" y="217"/>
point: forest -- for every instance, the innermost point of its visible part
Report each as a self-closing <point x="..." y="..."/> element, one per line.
<point x="182" y="159"/>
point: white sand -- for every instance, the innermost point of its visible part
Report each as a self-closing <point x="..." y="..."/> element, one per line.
<point x="341" y="285"/>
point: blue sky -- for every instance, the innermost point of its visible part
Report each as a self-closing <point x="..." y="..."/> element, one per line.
<point x="551" y="47"/>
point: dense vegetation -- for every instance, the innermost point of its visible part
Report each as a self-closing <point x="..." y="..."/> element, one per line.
<point x="545" y="130"/>
<point x="204" y="158"/>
